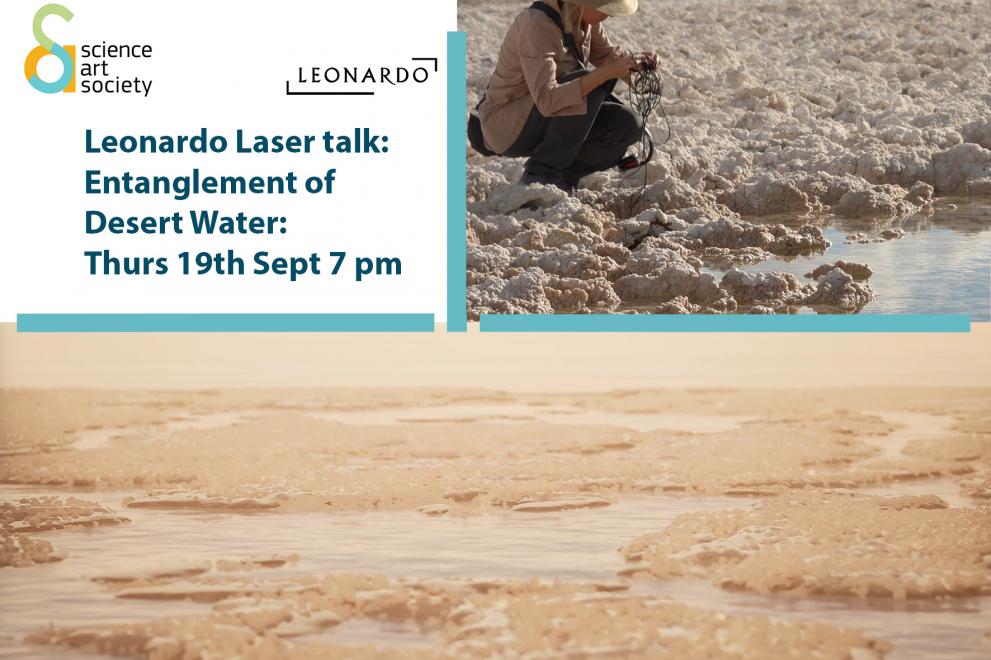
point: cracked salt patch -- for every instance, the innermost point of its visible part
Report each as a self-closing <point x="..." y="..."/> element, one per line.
<point x="102" y="437"/>
<point x="933" y="630"/>
<point x="499" y="413"/>
<point x="915" y="426"/>
<point x="945" y="489"/>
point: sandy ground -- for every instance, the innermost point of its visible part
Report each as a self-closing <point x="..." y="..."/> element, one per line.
<point x="875" y="494"/>
<point x="790" y="110"/>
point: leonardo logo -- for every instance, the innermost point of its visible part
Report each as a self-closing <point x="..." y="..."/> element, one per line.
<point x="66" y="54"/>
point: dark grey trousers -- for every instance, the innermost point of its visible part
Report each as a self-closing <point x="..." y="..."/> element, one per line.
<point x="578" y="145"/>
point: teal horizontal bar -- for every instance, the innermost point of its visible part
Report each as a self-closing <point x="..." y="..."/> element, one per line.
<point x="225" y="322"/>
<point x="725" y="323"/>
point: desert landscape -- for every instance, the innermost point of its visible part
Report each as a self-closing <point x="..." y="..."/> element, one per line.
<point x="830" y="157"/>
<point x="831" y="523"/>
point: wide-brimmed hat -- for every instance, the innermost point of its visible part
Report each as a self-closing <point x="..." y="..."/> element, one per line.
<point x="610" y="7"/>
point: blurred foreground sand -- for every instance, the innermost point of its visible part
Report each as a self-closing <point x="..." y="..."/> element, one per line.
<point x="422" y="495"/>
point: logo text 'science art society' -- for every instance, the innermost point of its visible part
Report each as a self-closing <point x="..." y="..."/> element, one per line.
<point x="94" y="66"/>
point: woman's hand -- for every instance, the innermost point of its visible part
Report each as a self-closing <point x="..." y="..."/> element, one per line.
<point x="615" y="68"/>
<point x="619" y="66"/>
<point x="646" y="61"/>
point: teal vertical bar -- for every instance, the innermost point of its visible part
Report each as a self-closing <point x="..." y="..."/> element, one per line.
<point x="457" y="102"/>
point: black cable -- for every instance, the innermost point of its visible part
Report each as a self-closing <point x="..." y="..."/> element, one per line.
<point x="645" y="93"/>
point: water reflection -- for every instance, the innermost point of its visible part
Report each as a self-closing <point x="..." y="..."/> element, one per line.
<point x="941" y="266"/>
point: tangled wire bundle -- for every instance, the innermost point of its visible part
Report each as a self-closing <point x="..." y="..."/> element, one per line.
<point x="646" y="91"/>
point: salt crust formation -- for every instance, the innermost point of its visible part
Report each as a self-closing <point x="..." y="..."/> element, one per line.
<point x="828" y="545"/>
<point x="799" y="108"/>
<point x="20" y="550"/>
<point x="805" y="454"/>
<point x="296" y="618"/>
<point x="44" y="514"/>
<point x="285" y="457"/>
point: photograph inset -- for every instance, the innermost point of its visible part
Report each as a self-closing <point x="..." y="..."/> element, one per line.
<point x="717" y="157"/>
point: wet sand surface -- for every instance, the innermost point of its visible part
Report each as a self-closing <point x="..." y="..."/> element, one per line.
<point x="363" y="523"/>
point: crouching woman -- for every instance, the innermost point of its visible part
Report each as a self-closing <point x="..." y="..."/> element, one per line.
<point x="543" y="102"/>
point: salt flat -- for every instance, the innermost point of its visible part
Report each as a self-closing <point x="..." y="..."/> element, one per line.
<point x="797" y="109"/>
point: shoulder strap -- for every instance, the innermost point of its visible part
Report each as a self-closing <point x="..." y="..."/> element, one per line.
<point x="569" y="39"/>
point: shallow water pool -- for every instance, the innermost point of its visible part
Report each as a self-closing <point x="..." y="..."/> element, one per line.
<point x="577" y="545"/>
<point x="942" y="264"/>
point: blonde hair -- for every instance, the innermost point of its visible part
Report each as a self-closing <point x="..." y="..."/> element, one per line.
<point x="571" y="15"/>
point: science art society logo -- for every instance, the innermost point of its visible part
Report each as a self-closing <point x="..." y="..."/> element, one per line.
<point x="106" y="66"/>
<point x="65" y="54"/>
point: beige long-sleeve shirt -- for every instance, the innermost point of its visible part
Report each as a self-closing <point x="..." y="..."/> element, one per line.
<point x="532" y="58"/>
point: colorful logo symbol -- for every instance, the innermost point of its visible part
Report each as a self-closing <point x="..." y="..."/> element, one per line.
<point x="66" y="54"/>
